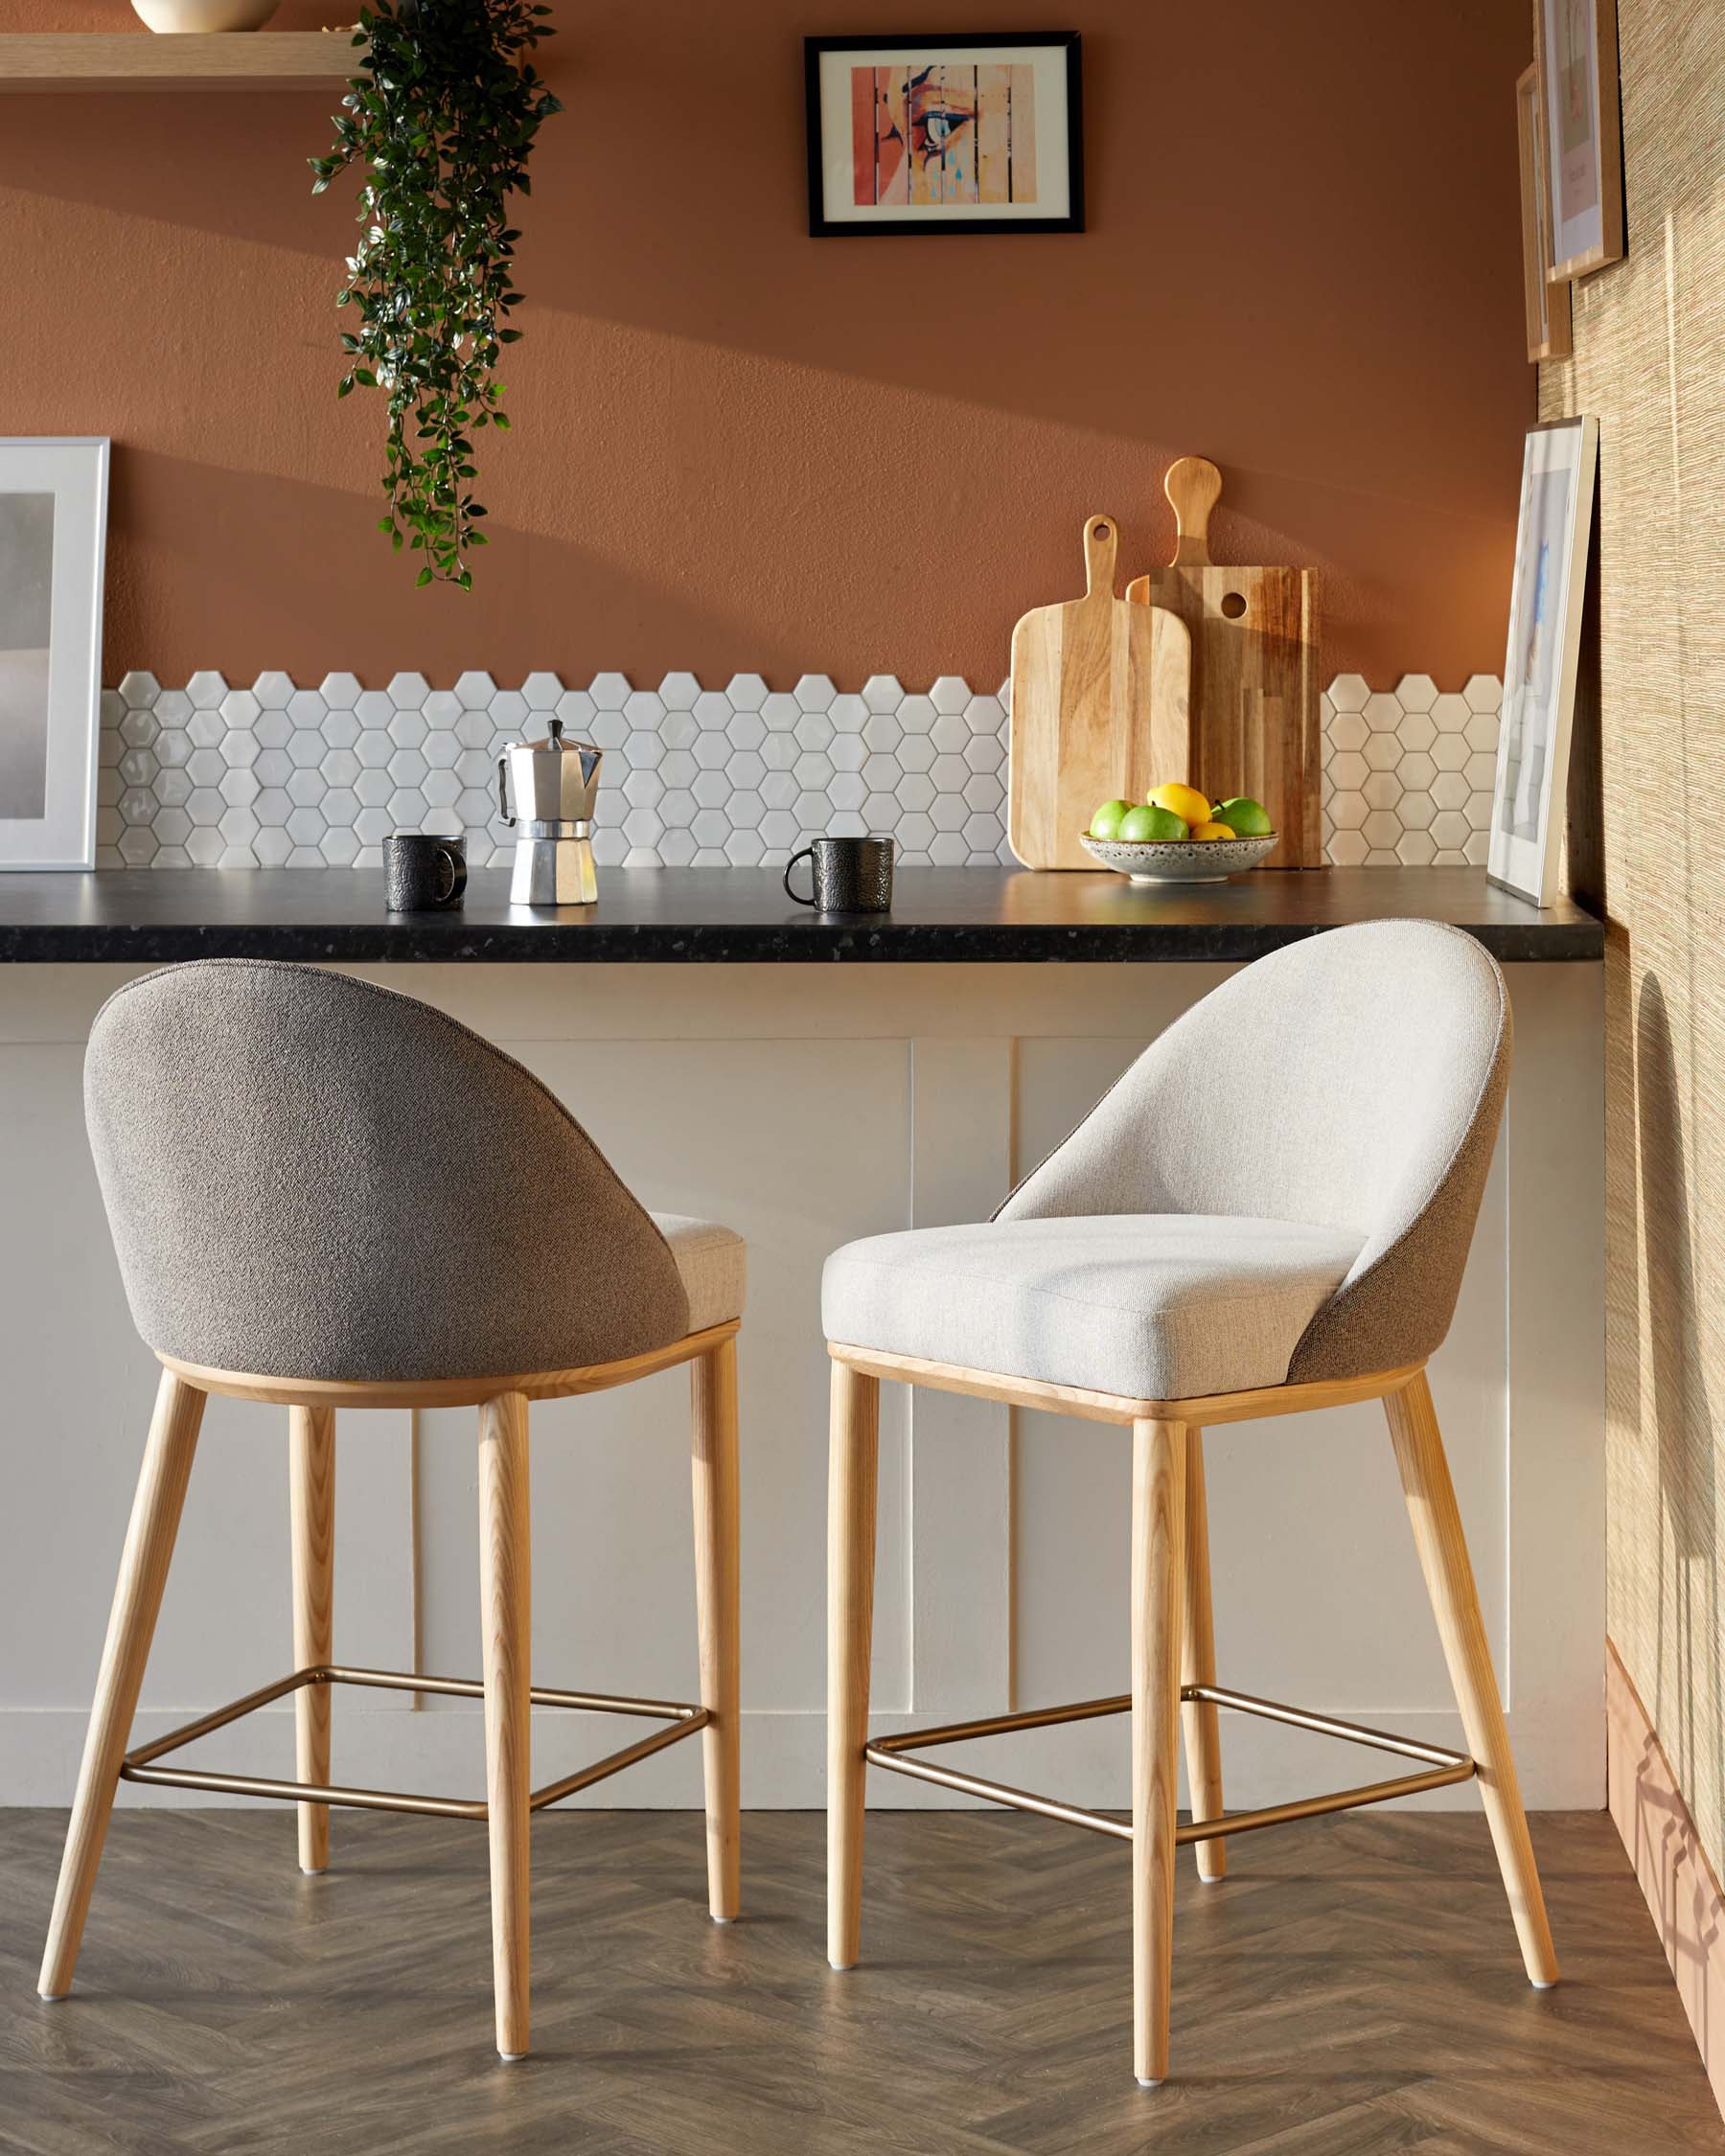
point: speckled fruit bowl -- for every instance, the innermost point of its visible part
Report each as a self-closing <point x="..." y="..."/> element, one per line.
<point x="1179" y="861"/>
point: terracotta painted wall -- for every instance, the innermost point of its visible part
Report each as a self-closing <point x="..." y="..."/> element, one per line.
<point x="740" y="447"/>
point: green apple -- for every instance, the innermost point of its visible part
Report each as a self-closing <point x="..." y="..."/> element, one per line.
<point x="1152" y="826"/>
<point x="1244" y="816"/>
<point x="1106" y="821"/>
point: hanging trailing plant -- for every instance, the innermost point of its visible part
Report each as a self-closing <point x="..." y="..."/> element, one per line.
<point x="439" y="119"/>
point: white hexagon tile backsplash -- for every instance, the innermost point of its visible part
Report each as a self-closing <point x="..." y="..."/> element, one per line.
<point x="274" y="774"/>
<point x="1408" y="773"/>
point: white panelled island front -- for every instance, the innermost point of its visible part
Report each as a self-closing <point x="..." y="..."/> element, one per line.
<point x="805" y="1103"/>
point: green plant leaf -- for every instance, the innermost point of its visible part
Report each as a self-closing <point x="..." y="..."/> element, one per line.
<point x="438" y="123"/>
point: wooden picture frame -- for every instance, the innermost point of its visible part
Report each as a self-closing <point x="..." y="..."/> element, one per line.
<point x="53" y="548"/>
<point x="961" y="134"/>
<point x="1549" y="325"/>
<point x="1576" y="53"/>
<point x="1552" y="534"/>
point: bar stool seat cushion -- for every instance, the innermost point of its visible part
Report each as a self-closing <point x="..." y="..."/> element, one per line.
<point x="1149" y="1306"/>
<point x="1356" y="1080"/>
<point x="713" y="1264"/>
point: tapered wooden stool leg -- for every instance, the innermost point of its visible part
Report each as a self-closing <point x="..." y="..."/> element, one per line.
<point x="506" y="1616"/>
<point x="713" y="1402"/>
<point x="156" y="1517"/>
<point x="851" y="1492"/>
<point x="1159" y="1460"/>
<point x="1455" y="1604"/>
<point x="1198" y="1718"/>
<point x="312" y="1504"/>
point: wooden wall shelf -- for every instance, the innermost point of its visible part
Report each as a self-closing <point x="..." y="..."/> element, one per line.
<point x="253" y="59"/>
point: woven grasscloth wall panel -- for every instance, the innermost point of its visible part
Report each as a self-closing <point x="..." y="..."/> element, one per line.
<point x="1650" y="362"/>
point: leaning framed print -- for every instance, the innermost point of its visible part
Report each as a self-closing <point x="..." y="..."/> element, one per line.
<point x="52" y="534"/>
<point x="1574" y="51"/>
<point x="1552" y="540"/>
<point x="944" y="134"/>
<point x="1549" y="326"/>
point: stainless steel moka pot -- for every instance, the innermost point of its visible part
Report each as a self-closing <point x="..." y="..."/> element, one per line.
<point x="553" y="783"/>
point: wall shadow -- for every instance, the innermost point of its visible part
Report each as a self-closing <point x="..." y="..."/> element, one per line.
<point x="1584" y="826"/>
<point x="299" y="568"/>
<point x="1690" y="1714"/>
<point x="1668" y="1852"/>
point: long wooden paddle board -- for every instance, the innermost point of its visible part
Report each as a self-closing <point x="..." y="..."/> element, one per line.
<point x="1099" y="709"/>
<point x="1254" y="670"/>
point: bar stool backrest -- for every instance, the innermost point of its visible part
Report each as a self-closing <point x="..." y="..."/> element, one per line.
<point x="310" y="1177"/>
<point x="1354" y="1080"/>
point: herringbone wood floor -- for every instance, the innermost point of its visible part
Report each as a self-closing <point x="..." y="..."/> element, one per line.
<point x="1354" y="1986"/>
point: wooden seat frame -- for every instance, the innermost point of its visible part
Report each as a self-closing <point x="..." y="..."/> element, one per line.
<point x="505" y="1611"/>
<point x="1173" y="1657"/>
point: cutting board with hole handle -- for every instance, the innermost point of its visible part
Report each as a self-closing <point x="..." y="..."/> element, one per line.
<point x="1254" y="670"/>
<point x="1099" y="708"/>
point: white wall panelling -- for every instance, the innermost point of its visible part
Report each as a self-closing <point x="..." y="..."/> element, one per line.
<point x="315" y="777"/>
<point x="805" y="1106"/>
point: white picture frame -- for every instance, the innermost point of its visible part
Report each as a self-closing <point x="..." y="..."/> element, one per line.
<point x="1553" y="531"/>
<point x="53" y="548"/>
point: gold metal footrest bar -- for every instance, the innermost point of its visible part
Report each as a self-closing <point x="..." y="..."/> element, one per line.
<point x="1442" y="1766"/>
<point x="140" y="1765"/>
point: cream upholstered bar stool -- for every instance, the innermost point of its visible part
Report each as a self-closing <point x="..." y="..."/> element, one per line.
<point x="324" y="1195"/>
<point x="1349" y="1089"/>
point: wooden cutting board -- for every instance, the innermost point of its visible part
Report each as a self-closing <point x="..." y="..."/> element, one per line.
<point x="1098" y="708"/>
<point x="1254" y="670"/>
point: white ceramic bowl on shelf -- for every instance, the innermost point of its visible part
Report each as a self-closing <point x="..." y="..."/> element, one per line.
<point x="180" y="17"/>
<point x="1179" y="861"/>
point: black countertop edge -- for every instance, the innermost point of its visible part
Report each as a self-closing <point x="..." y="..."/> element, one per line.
<point x="361" y="944"/>
<point x="739" y="916"/>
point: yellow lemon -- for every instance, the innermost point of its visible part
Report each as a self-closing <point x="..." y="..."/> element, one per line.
<point x="1211" y="831"/>
<point x="1184" y="801"/>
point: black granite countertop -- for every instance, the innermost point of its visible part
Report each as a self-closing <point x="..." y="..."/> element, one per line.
<point x="660" y="916"/>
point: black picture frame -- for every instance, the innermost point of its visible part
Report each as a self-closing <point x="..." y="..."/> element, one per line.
<point x="821" y="227"/>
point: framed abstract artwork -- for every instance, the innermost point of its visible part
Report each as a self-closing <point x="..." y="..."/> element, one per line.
<point x="944" y="134"/>
<point x="52" y="536"/>
<point x="1551" y="539"/>
<point x="1576" y="52"/>
<point x="1549" y="326"/>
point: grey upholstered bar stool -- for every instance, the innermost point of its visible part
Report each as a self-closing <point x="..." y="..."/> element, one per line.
<point x="325" y="1194"/>
<point x="1350" y="1088"/>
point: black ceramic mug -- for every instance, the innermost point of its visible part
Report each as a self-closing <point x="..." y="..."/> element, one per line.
<point x="424" y="870"/>
<point x="847" y="875"/>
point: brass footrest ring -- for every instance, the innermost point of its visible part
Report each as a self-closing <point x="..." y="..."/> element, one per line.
<point x="1442" y="1767"/>
<point x="139" y="1765"/>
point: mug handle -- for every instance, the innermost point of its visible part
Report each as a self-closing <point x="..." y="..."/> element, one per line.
<point x="808" y="855"/>
<point x="458" y="874"/>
